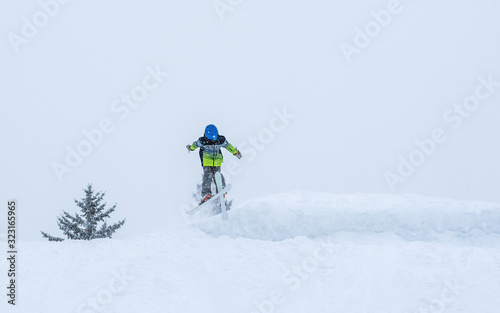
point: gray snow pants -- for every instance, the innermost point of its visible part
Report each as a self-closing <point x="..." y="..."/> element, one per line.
<point x="208" y="177"/>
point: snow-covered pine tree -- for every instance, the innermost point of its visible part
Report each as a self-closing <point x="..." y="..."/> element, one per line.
<point x="86" y="225"/>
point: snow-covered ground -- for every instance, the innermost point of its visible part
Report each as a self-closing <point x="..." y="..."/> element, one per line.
<point x="296" y="252"/>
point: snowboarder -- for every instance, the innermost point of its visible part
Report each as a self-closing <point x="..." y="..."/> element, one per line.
<point x="211" y="157"/>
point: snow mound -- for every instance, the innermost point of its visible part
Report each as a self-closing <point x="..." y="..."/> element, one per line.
<point x="312" y="214"/>
<point x="185" y="270"/>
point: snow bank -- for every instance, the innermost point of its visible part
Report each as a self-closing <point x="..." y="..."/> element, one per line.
<point x="312" y="214"/>
<point x="186" y="270"/>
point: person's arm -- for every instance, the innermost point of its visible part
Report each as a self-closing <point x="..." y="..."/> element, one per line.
<point x="196" y="144"/>
<point x="229" y="147"/>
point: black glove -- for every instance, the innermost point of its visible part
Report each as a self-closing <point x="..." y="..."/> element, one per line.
<point x="189" y="148"/>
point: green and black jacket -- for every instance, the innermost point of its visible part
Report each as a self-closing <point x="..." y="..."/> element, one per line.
<point x="210" y="150"/>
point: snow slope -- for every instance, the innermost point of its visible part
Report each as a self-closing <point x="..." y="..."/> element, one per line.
<point x="318" y="214"/>
<point x="297" y="252"/>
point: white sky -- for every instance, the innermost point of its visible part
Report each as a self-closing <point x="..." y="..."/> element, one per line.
<point x="352" y="120"/>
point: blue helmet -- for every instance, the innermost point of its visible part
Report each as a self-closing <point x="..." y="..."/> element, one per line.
<point x="211" y="132"/>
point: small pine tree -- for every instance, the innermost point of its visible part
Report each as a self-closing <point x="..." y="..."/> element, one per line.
<point x="86" y="225"/>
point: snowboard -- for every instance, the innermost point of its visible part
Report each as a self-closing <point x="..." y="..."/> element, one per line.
<point x="211" y="201"/>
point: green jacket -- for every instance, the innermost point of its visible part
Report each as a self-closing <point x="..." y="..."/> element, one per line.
<point x="210" y="150"/>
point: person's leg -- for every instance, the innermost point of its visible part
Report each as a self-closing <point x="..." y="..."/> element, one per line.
<point x="206" y="186"/>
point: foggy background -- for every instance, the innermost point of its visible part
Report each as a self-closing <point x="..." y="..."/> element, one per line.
<point x="352" y="120"/>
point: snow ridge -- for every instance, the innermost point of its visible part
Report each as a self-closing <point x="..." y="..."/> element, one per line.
<point x="366" y="267"/>
<point x="312" y="214"/>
